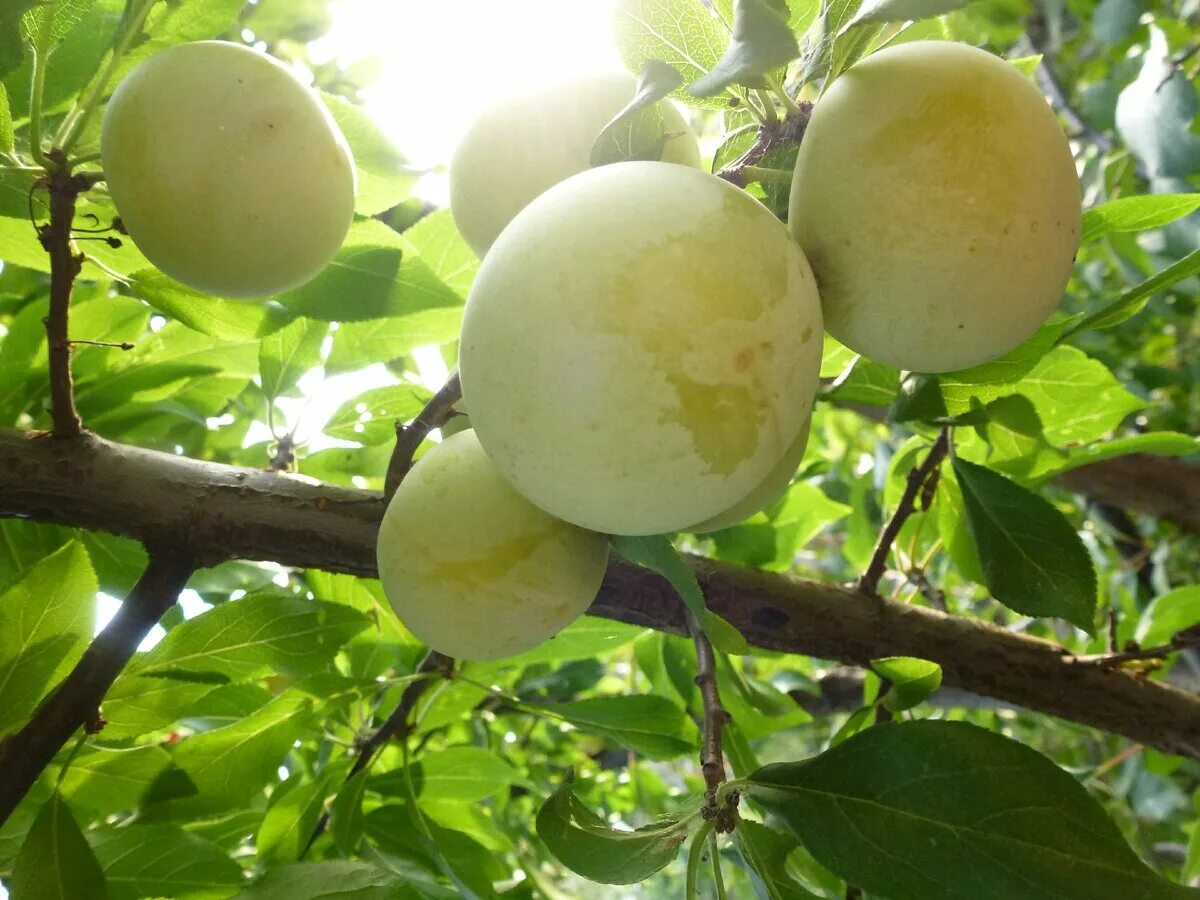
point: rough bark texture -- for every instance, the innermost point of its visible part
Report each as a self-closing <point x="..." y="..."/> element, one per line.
<point x="1159" y="486"/>
<point x="220" y="512"/>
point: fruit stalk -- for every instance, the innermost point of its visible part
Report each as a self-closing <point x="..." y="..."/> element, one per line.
<point x="409" y="437"/>
<point x="712" y="758"/>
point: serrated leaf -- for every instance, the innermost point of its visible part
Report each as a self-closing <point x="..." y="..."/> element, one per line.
<point x="1167" y="615"/>
<point x="371" y="417"/>
<point x="334" y="879"/>
<point x="163" y="860"/>
<point x="12" y="42"/>
<point x="48" y="22"/>
<point x="284" y="356"/>
<point x="762" y="42"/>
<point x="1027" y="65"/>
<point x="944" y="810"/>
<point x="227" y="319"/>
<point x="346" y="819"/>
<point x="1130" y="303"/>
<point x="290" y="819"/>
<point x="256" y="635"/>
<point x="55" y="862"/>
<point x="586" y="638"/>
<point x="882" y="11"/>
<point x="913" y="681"/>
<point x="585" y="844"/>
<point x="684" y="34"/>
<point x="436" y="240"/>
<point x="6" y="123"/>
<point x="384" y="176"/>
<point x="1033" y="560"/>
<point x="771" y="540"/>
<point x="865" y="381"/>
<point x="639" y="131"/>
<point x="765" y="852"/>
<point x="1136" y="214"/>
<point x="228" y="764"/>
<point x="458" y="774"/>
<point x="45" y="623"/>
<point x="650" y="725"/>
<point x="1161" y="443"/>
<point x="656" y="552"/>
<point x="109" y="779"/>
<point x="1154" y="114"/>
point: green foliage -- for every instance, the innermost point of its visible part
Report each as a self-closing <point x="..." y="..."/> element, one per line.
<point x="230" y="735"/>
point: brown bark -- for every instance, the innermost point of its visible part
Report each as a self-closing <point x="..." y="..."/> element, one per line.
<point x="221" y="512"/>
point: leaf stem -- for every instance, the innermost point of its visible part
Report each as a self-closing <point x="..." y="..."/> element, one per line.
<point x="718" y="877"/>
<point x="21" y="170"/>
<point x="41" y="50"/>
<point x="77" y="120"/>
<point x="765" y="174"/>
<point x="694" y="854"/>
<point x="788" y="103"/>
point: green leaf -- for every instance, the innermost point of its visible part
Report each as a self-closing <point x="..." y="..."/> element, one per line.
<point x="585" y="844"/>
<point x="913" y="681"/>
<point x="1130" y="303"/>
<point x="1162" y="443"/>
<point x="228" y="319"/>
<point x="836" y="15"/>
<point x="163" y="860"/>
<point x="229" y="764"/>
<point x="684" y="34"/>
<point x="12" y="42"/>
<point x="1155" y="113"/>
<point x="945" y="810"/>
<point x="770" y="540"/>
<point x="284" y="356"/>
<point x="108" y="780"/>
<point x="49" y="22"/>
<point x="346" y="819"/>
<point x="1027" y="65"/>
<point x="650" y="725"/>
<point x="458" y="774"/>
<point x="384" y="176"/>
<point x="881" y="11"/>
<point x="373" y="276"/>
<point x="335" y="879"/>
<point x="586" y="638"/>
<point x="6" y="124"/>
<point x="762" y="42"/>
<point x="45" y="623"/>
<point x="257" y="635"/>
<point x="1033" y="560"/>
<point x="290" y="819"/>
<point x="1167" y="615"/>
<point x="639" y="131"/>
<point x="136" y="706"/>
<point x="437" y="241"/>
<point x="371" y="417"/>
<point x="55" y="862"/>
<point x="865" y="381"/>
<point x="656" y="552"/>
<point x="1136" y="214"/>
<point x="765" y="852"/>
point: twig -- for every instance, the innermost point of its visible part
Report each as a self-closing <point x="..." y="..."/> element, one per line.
<point x="917" y="479"/>
<point x="65" y="265"/>
<point x="122" y="345"/>
<point x="712" y="757"/>
<point x="1184" y="640"/>
<point x="789" y="131"/>
<point x="76" y="701"/>
<point x="408" y="437"/>
<point x="396" y="726"/>
<point x="919" y="579"/>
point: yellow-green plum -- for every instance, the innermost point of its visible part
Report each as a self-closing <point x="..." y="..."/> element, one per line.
<point x="526" y="144"/>
<point x="228" y="173"/>
<point x="768" y="491"/>
<point x="936" y="198"/>
<point x="474" y="569"/>
<point x="640" y="347"/>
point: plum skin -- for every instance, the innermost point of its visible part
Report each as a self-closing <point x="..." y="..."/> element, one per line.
<point x="640" y="348"/>
<point x="228" y="173"/>
<point x="474" y="569"/>
<point x="525" y="144"/>
<point x="936" y="198"/>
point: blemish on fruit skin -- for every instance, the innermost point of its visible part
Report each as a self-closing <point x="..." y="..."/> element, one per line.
<point x="807" y="335"/>
<point x="744" y="359"/>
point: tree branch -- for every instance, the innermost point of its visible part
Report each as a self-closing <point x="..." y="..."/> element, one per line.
<point x="788" y="132"/>
<point x="917" y="479"/>
<point x="712" y="756"/>
<point x="1160" y="486"/>
<point x="76" y="702"/>
<point x="65" y="265"/>
<point x="409" y="437"/>
<point x="223" y="512"/>
<point x="397" y="725"/>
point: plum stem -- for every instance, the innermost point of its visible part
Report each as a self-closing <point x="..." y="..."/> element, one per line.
<point x="712" y="758"/>
<point x="409" y="437"/>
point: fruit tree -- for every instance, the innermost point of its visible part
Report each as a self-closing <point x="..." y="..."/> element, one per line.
<point x="763" y="465"/>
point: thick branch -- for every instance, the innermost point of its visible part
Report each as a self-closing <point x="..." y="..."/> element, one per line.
<point x="1160" y="486"/>
<point x="76" y="702"/>
<point x="222" y="512"/>
<point x="409" y="437"/>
